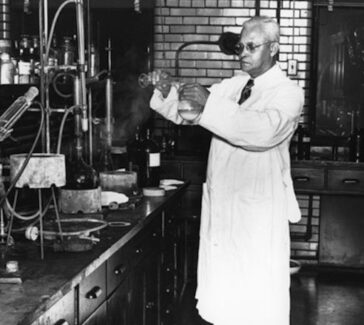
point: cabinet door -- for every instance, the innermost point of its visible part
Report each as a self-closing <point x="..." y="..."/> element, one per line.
<point x="152" y="285"/>
<point x="137" y="296"/>
<point x="118" y="306"/>
<point x="98" y="317"/>
<point x="341" y="231"/>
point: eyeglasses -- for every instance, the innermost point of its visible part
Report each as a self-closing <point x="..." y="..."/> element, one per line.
<point x="250" y="47"/>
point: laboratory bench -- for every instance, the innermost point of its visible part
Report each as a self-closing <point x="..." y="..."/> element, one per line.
<point x="134" y="275"/>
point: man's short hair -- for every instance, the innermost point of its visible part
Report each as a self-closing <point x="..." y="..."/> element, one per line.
<point x="269" y="26"/>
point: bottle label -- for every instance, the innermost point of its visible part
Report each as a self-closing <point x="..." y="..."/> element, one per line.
<point x="154" y="159"/>
<point x="24" y="68"/>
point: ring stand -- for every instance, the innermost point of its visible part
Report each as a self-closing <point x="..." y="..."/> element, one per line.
<point x="43" y="171"/>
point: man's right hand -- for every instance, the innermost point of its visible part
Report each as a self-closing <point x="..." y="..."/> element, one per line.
<point x="161" y="80"/>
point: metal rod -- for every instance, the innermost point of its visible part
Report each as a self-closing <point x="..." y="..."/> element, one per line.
<point x="57" y="213"/>
<point x="76" y="101"/>
<point x="89" y="94"/>
<point x="109" y="99"/>
<point x="44" y="83"/>
<point x="81" y="62"/>
<point x="41" y="225"/>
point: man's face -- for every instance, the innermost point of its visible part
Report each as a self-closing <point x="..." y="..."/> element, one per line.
<point x="255" y="60"/>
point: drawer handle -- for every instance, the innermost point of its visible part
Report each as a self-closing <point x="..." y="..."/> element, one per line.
<point x="120" y="269"/>
<point x="94" y="293"/>
<point x="139" y="251"/>
<point x="302" y="179"/>
<point x="351" y="181"/>
<point x="61" y="322"/>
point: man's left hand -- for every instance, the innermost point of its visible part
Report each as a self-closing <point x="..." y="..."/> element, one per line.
<point x="194" y="92"/>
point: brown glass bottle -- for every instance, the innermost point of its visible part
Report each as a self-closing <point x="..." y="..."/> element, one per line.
<point x="150" y="170"/>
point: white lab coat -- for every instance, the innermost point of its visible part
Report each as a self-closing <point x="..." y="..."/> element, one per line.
<point x="248" y="199"/>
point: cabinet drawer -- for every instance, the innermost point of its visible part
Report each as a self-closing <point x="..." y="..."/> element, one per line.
<point x="92" y="292"/>
<point x="346" y="180"/>
<point x="62" y="312"/>
<point x="308" y="178"/>
<point x="117" y="268"/>
<point x="148" y="240"/>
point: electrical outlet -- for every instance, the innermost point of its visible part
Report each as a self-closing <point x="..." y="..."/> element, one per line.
<point x="292" y="67"/>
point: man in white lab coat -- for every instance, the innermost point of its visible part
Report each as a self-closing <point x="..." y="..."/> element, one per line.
<point x="248" y="198"/>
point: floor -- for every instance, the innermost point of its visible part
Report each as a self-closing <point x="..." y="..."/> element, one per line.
<point x="317" y="298"/>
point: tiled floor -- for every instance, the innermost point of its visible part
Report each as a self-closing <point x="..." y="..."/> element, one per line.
<point x="324" y="298"/>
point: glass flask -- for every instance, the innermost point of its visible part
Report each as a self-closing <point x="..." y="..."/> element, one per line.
<point x="189" y="110"/>
<point x="80" y="175"/>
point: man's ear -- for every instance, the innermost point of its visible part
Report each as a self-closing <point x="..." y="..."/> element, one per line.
<point x="274" y="49"/>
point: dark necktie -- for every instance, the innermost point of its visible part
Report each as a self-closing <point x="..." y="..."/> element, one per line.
<point x="246" y="91"/>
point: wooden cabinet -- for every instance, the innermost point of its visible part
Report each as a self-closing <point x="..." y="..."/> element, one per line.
<point x="118" y="305"/>
<point x="342" y="231"/>
<point x="341" y="190"/>
<point x="98" y="317"/>
<point x="92" y="292"/>
<point x="62" y="312"/>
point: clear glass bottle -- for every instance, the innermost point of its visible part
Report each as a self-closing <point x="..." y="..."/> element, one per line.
<point x="67" y="52"/>
<point x="7" y="70"/>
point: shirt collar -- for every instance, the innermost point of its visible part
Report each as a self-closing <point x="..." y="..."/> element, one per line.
<point x="269" y="76"/>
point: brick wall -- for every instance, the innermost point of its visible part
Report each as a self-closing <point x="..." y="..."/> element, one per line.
<point x="180" y="21"/>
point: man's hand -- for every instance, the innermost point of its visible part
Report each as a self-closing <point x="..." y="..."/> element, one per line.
<point x="194" y="92"/>
<point x="161" y="80"/>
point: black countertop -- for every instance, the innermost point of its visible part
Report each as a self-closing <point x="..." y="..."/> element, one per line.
<point x="46" y="281"/>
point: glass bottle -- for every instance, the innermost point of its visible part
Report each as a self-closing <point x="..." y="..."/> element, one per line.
<point x="94" y="60"/>
<point x="67" y="52"/>
<point x="80" y="175"/>
<point x="150" y="169"/>
<point x="24" y="64"/>
<point x="7" y="69"/>
<point x="35" y="59"/>
<point x="135" y="156"/>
